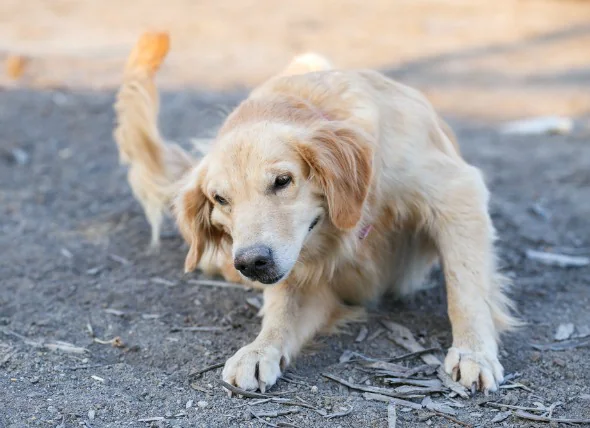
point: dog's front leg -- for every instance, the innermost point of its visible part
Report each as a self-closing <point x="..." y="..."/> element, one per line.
<point x="291" y="316"/>
<point x="476" y="305"/>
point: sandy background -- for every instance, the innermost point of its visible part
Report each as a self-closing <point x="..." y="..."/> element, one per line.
<point x="475" y="58"/>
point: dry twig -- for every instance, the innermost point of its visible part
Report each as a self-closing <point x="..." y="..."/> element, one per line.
<point x="339" y="414"/>
<point x="201" y="328"/>
<point x="199" y="373"/>
<point x="391" y="416"/>
<point x="525" y="415"/>
<point x="399" y="401"/>
<point x="373" y="389"/>
<point x="404" y="337"/>
<point x="452" y="419"/>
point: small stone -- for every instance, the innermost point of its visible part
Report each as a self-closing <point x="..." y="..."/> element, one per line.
<point x="51" y="409"/>
<point x="559" y="362"/>
<point x="202" y="404"/>
<point x="34" y="380"/>
<point x="564" y="331"/>
<point x="91" y="414"/>
<point x="476" y="415"/>
<point x="535" y="356"/>
<point x="189" y="404"/>
<point x="20" y="157"/>
<point x="585" y="397"/>
<point x="314" y="389"/>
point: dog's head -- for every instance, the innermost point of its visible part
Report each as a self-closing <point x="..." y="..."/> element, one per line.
<point x="277" y="175"/>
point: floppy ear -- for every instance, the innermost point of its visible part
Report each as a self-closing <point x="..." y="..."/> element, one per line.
<point x="193" y="216"/>
<point x="341" y="158"/>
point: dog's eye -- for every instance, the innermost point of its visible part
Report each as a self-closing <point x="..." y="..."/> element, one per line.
<point x="220" y="200"/>
<point x="282" y="181"/>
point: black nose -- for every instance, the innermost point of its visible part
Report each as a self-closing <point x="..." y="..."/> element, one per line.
<point x="256" y="263"/>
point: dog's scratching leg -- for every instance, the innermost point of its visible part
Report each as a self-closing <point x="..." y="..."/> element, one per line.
<point x="465" y="237"/>
<point x="291" y="318"/>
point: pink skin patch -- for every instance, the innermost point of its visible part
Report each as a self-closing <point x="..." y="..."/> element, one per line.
<point x="364" y="232"/>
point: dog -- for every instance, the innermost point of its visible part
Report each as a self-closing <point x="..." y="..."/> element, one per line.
<point x="154" y="165"/>
<point x="329" y="188"/>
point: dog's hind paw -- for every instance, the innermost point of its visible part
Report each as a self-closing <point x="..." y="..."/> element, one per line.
<point x="254" y="367"/>
<point x="474" y="370"/>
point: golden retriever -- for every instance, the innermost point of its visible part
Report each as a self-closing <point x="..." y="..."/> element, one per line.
<point x="329" y="188"/>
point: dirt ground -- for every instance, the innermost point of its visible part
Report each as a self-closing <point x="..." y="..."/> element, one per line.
<point x="73" y="265"/>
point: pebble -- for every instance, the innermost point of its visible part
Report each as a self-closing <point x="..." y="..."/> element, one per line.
<point x="314" y="389"/>
<point x="564" y="331"/>
<point x="91" y="414"/>
<point x="535" y="356"/>
<point x="51" y="409"/>
<point x="20" y="157"/>
<point x="189" y="404"/>
<point x="202" y="404"/>
<point x="559" y="362"/>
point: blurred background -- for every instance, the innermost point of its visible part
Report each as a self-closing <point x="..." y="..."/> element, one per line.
<point x="475" y="59"/>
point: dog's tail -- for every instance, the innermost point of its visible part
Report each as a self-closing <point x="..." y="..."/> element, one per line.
<point x="137" y="107"/>
<point x="307" y="63"/>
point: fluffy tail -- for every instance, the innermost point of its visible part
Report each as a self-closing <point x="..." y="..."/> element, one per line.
<point x="154" y="165"/>
<point x="307" y="63"/>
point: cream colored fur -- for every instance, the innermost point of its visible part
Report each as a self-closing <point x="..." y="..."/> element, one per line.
<point x="154" y="165"/>
<point x="363" y="151"/>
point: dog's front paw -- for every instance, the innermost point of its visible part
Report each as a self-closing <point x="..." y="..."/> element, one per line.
<point x="474" y="370"/>
<point x="254" y="367"/>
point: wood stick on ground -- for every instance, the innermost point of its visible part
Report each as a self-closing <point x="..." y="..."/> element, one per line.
<point x="288" y="402"/>
<point x="199" y="373"/>
<point x="391" y="416"/>
<point x="278" y="413"/>
<point x="154" y="419"/>
<point x="270" y="424"/>
<point x="414" y="354"/>
<point x="525" y="415"/>
<point x="254" y="403"/>
<point x="509" y="406"/>
<point x="339" y="414"/>
<point x="398" y="401"/>
<point x="403" y="337"/>
<point x="51" y="346"/>
<point x="201" y="328"/>
<point x="450" y="418"/>
<point x="373" y="389"/>
<point x="364" y="331"/>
